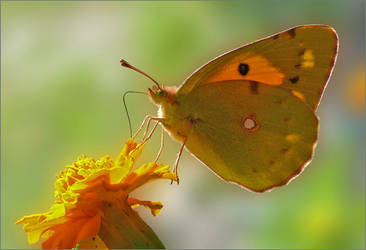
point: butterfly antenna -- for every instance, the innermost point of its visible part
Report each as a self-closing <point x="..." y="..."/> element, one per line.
<point x="124" y="63"/>
<point x="125" y="105"/>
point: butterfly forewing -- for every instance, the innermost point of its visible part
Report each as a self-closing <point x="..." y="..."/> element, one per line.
<point x="299" y="60"/>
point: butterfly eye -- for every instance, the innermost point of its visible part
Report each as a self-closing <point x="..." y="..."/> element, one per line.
<point x="243" y="69"/>
<point x="160" y="92"/>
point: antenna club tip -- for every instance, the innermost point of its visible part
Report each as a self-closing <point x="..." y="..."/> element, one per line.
<point x="124" y="63"/>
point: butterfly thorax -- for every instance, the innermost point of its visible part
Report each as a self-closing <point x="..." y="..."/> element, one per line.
<point x="177" y="123"/>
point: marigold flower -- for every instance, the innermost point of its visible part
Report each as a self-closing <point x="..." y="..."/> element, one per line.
<point x="93" y="207"/>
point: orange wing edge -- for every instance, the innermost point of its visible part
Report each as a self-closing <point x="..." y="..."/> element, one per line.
<point x="331" y="68"/>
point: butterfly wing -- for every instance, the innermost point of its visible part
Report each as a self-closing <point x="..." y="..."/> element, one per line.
<point x="249" y="114"/>
<point x="299" y="59"/>
<point x="256" y="137"/>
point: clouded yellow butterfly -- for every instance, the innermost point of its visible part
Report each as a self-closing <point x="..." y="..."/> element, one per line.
<point x="249" y="114"/>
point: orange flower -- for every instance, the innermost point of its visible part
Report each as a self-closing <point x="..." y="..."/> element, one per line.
<point x="92" y="207"/>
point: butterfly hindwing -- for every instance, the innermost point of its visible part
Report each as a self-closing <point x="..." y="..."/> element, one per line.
<point x="258" y="137"/>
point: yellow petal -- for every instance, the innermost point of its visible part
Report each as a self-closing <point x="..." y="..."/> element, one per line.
<point x="33" y="236"/>
<point x="125" y="160"/>
<point x="147" y="173"/>
<point x="37" y="224"/>
<point x="154" y="206"/>
<point x="118" y="174"/>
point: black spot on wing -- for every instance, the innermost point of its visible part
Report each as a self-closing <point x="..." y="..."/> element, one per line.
<point x="243" y="69"/>
<point x="253" y="86"/>
<point x="192" y="120"/>
<point x="294" y="79"/>
<point x="284" y="150"/>
<point x="302" y="52"/>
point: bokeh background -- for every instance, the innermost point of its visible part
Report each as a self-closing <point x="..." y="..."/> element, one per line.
<point x="61" y="88"/>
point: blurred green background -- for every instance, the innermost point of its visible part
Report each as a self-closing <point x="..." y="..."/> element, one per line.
<point x="61" y="88"/>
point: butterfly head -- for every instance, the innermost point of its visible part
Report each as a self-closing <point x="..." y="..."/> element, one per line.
<point x="162" y="95"/>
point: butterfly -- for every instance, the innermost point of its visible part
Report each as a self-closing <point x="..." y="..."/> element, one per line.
<point x="249" y="114"/>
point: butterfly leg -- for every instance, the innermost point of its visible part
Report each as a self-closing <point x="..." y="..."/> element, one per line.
<point x="147" y="119"/>
<point x="143" y="140"/>
<point x="158" y="120"/>
<point x="175" y="170"/>
<point x="147" y="127"/>
<point x="141" y="126"/>
<point x="161" y="145"/>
